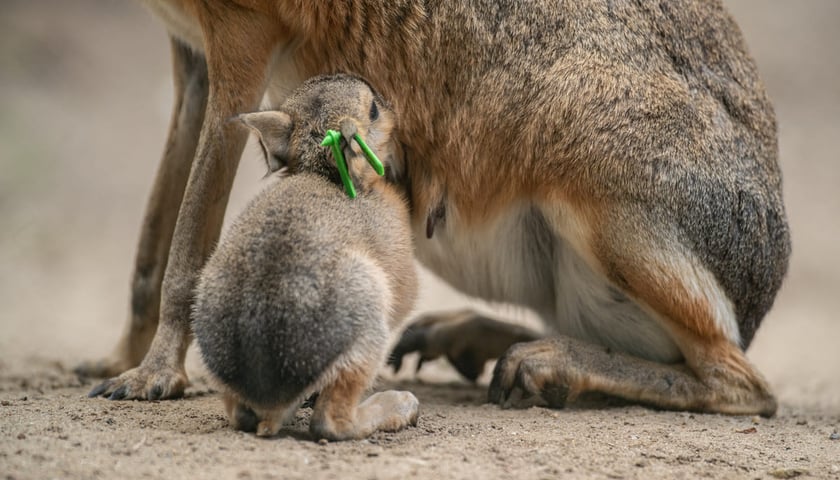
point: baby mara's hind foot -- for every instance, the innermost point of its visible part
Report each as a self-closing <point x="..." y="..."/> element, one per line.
<point x="264" y="423"/>
<point x="240" y="416"/>
<point x="339" y="415"/>
<point x="270" y="424"/>
<point x="388" y="411"/>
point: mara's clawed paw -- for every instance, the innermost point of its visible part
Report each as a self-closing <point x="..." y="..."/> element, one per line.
<point x="533" y="374"/>
<point x="143" y="383"/>
<point x="467" y="339"/>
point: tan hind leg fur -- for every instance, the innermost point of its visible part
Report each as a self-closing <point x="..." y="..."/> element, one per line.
<point x="553" y="371"/>
<point x="339" y="415"/>
<point x="663" y="277"/>
<point x="190" y="79"/>
<point x="238" y="53"/>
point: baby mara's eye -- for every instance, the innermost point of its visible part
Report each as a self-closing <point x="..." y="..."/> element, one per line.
<point x="374" y="112"/>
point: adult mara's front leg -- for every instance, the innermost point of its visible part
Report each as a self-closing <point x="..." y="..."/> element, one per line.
<point x="238" y="53"/>
<point x="190" y="79"/>
<point x="468" y="339"/>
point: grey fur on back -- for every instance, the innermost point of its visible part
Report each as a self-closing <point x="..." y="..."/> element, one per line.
<point x="277" y="305"/>
<point x="307" y="276"/>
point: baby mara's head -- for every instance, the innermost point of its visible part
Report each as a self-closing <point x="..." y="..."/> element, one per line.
<point x="291" y="136"/>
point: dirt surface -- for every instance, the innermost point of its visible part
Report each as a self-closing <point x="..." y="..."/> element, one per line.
<point x="85" y="93"/>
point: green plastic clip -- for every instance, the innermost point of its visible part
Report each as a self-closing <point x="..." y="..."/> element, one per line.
<point x="333" y="140"/>
<point x="371" y="157"/>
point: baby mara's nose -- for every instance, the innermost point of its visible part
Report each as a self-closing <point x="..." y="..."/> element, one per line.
<point x="348" y="132"/>
<point x="348" y="129"/>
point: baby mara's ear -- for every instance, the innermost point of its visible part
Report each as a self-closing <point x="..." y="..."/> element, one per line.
<point x="274" y="130"/>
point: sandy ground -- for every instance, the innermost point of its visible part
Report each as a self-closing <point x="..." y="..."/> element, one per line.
<point x="84" y="104"/>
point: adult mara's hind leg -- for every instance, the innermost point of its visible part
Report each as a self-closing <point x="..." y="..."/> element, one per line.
<point x="190" y="78"/>
<point x="664" y="277"/>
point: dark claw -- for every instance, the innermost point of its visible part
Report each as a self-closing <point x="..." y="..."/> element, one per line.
<point x="395" y="362"/>
<point x="156" y="392"/>
<point x="310" y="402"/>
<point x="100" y="389"/>
<point x="119" y="393"/>
<point x="412" y="340"/>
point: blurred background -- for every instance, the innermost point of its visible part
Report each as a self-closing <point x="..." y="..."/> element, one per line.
<point x="85" y="96"/>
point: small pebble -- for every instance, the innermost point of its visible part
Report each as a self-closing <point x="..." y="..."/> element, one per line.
<point x="785" y="473"/>
<point x="21" y="436"/>
<point x="834" y="436"/>
<point x="323" y="441"/>
<point x="756" y="420"/>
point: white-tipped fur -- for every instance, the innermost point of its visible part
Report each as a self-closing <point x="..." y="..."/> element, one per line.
<point x="553" y="279"/>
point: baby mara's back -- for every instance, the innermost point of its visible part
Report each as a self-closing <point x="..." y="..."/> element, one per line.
<point x="308" y="286"/>
<point x="295" y="283"/>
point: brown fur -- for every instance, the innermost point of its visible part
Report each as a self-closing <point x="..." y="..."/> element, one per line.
<point x="620" y="133"/>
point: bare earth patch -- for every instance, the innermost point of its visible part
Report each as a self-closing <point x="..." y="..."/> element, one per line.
<point x="50" y="428"/>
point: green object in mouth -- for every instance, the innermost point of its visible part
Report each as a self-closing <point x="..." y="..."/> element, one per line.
<point x="333" y="140"/>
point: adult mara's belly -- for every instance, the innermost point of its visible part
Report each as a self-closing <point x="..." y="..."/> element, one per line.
<point x="505" y="260"/>
<point x="518" y="258"/>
